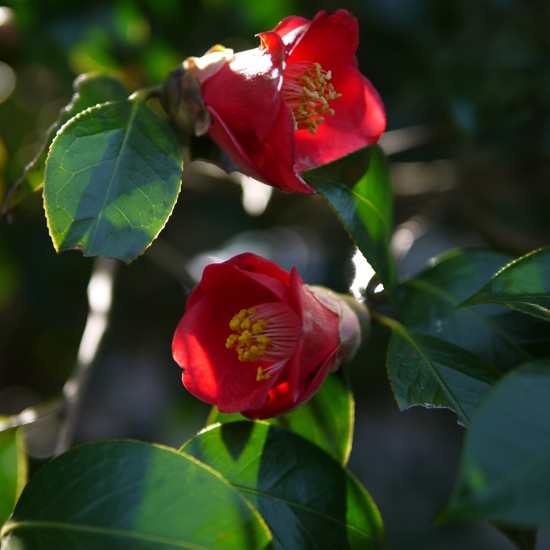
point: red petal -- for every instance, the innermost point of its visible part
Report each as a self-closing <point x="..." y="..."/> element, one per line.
<point x="290" y="24"/>
<point x="245" y="92"/>
<point x="279" y="402"/>
<point x="233" y="289"/>
<point x="278" y="166"/>
<point x="291" y="30"/>
<point x="330" y="40"/>
<point x="320" y="343"/>
<point x="252" y="262"/>
<point x="359" y="120"/>
<point x="236" y="147"/>
<point x="212" y="372"/>
<point x="270" y="161"/>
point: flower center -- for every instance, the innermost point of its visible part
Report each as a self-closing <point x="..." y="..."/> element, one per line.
<point x="307" y="91"/>
<point x="265" y="333"/>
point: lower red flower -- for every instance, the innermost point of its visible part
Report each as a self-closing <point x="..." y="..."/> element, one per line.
<point x="255" y="340"/>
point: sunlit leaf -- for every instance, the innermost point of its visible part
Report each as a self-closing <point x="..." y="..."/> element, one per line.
<point x="307" y="499"/>
<point x="326" y="419"/>
<point x="112" y="178"/>
<point x="506" y="458"/>
<point x="125" y="494"/>
<point x="358" y="189"/>
<point x="429" y="303"/>
<point x="13" y="471"/>
<point x="428" y="371"/>
<point x="89" y="90"/>
<point x="523" y="284"/>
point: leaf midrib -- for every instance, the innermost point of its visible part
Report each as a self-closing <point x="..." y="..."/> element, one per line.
<point x="303" y="507"/>
<point x="451" y="299"/>
<point x="76" y="527"/>
<point x="134" y="106"/>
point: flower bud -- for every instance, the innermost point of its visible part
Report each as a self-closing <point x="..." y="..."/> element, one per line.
<point x="181" y="98"/>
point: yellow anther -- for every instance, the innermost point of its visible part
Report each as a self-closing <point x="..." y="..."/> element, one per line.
<point x="267" y="334"/>
<point x="249" y="341"/>
<point x="307" y="91"/>
<point x="261" y="375"/>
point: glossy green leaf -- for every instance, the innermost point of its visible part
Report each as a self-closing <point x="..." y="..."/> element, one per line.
<point x="89" y="90"/>
<point x="358" y="189"/>
<point x="506" y="458"/>
<point x="126" y="494"/>
<point x="307" y="499"/>
<point x="112" y="178"/>
<point x="429" y="305"/>
<point x="431" y="372"/>
<point x="523" y="285"/>
<point x="13" y="471"/>
<point x="326" y="419"/>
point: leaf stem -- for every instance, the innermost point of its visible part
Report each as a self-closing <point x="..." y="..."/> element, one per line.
<point x="147" y="93"/>
<point x="388" y="322"/>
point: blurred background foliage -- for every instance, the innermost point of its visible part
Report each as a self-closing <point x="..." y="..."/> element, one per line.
<point x="466" y="84"/>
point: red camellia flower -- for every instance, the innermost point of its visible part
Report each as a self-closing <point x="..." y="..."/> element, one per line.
<point x="255" y="340"/>
<point x="294" y="103"/>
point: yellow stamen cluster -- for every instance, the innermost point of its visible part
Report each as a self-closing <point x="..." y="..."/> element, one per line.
<point x="267" y="334"/>
<point x="307" y="91"/>
<point x="248" y="341"/>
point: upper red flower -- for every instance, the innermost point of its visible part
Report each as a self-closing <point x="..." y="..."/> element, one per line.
<point x="294" y="103"/>
<point x="255" y="340"/>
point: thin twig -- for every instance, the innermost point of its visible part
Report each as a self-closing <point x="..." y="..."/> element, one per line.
<point x="32" y="414"/>
<point x="100" y="290"/>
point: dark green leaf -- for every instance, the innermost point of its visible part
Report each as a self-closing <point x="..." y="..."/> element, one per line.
<point x="506" y="459"/>
<point x="326" y="419"/>
<point x="307" y="499"/>
<point x="112" y="178"/>
<point x="125" y="494"/>
<point x="523" y="284"/>
<point x="13" y="471"/>
<point x="429" y="306"/>
<point x="89" y="90"/>
<point x="358" y="189"/>
<point x="427" y="371"/>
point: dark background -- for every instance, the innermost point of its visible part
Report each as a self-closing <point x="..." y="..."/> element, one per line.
<point x="466" y="86"/>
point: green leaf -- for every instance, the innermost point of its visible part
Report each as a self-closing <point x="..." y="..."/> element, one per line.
<point x="523" y="285"/>
<point x="358" y="189"/>
<point x="326" y="419"/>
<point x="126" y="494"/>
<point x="506" y="457"/>
<point x="112" y="178"/>
<point x="13" y="471"/>
<point x="429" y="305"/>
<point x="427" y="371"/>
<point x="89" y="90"/>
<point x="307" y="499"/>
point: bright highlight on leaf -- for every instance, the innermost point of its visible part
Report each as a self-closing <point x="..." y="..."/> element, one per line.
<point x="358" y="189"/>
<point x="112" y="178"/>
<point x="523" y="285"/>
<point x="13" y="471"/>
<point x="125" y="494"/>
<point x="326" y="419"/>
<point x="307" y="499"/>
